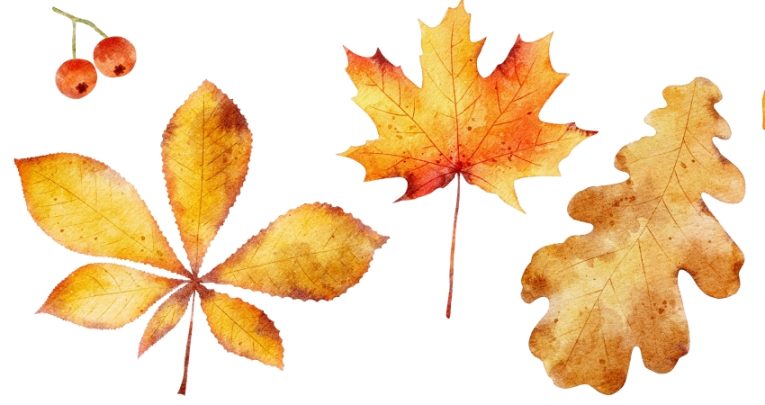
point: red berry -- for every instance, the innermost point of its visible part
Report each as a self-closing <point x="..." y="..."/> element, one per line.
<point x="114" y="56"/>
<point x="76" y="78"/>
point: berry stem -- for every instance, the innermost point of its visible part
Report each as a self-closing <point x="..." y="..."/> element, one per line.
<point x="451" y="257"/>
<point x="76" y="20"/>
<point x="182" y="389"/>
<point x="74" y="40"/>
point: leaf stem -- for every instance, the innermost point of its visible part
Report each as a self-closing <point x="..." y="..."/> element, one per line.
<point x="451" y="257"/>
<point x="182" y="389"/>
<point x="76" y="20"/>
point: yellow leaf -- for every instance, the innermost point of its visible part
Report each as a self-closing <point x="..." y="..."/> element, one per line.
<point x="106" y="296"/>
<point x="616" y="287"/>
<point x="460" y="123"/>
<point x="242" y="328"/>
<point x="86" y="206"/>
<point x="315" y="251"/>
<point x="166" y="318"/>
<point x="205" y="152"/>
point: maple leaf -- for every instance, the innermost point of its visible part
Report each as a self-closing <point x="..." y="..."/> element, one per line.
<point x="616" y="287"/>
<point x="313" y="252"/>
<point x="486" y="130"/>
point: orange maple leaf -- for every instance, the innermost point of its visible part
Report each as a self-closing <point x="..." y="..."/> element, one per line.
<point x="486" y="130"/>
<point x="616" y="287"/>
<point x="313" y="252"/>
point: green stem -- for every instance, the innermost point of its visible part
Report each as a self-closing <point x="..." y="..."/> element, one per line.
<point x="76" y="20"/>
<point x="74" y="40"/>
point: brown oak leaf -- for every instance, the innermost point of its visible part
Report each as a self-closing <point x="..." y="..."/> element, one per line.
<point x="616" y="287"/>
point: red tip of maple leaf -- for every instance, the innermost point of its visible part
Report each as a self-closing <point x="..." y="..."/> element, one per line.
<point x="379" y="58"/>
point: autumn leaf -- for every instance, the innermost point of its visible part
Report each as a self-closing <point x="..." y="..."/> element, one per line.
<point x="106" y="296"/>
<point x="165" y="318"/>
<point x="205" y="159"/>
<point x="310" y="253"/>
<point x="242" y="328"/>
<point x="616" y="287"/>
<point x="315" y="251"/>
<point x="79" y="203"/>
<point x="485" y="129"/>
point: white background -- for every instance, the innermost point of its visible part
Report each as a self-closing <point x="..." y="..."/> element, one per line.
<point x="386" y="340"/>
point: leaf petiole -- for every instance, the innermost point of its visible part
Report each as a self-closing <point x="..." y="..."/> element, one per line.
<point x="182" y="389"/>
<point x="454" y="242"/>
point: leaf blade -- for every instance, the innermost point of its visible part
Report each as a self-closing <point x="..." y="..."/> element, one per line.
<point x="315" y="251"/>
<point x="487" y="129"/>
<point x="106" y="296"/>
<point x="165" y="318"/>
<point x="242" y="329"/>
<point x="616" y="287"/>
<point x="205" y="152"/>
<point x="87" y="207"/>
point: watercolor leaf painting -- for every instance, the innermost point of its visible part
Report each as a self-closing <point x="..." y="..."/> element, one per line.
<point x="616" y="287"/>
<point x="459" y="124"/>
<point x="313" y="252"/>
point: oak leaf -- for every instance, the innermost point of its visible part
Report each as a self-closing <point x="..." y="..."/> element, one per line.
<point x="616" y="287"/>
<point x="315" y="251"/>
<point x="485" y="129"/>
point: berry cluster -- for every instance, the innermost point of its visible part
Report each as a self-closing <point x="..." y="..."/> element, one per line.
<point x="114" y="57"/>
